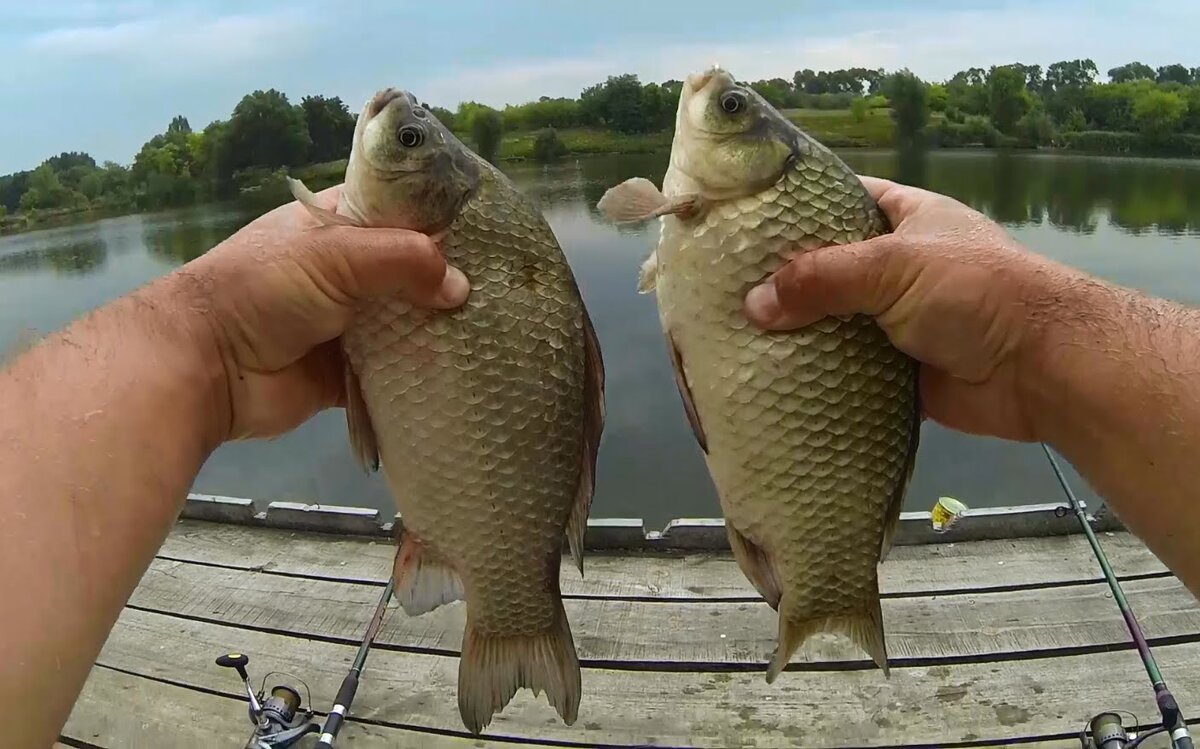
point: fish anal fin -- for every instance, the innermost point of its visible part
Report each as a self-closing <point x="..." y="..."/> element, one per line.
<point x="424" y="581"/>
<point x="755" y="564"/>
<point x="685" y="392"/>
<point x="493" y="668"/>
<point x="863" y="627"/>
<point x="593" y="427"/>
<point x="648" y="275"/>
<point x="363" y="442"/>
<point x="306" y="198"/>
<point x="891" y="520"/>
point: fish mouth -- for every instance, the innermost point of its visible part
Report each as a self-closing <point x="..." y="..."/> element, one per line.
<point x="697" y="81"/>
<point x="383" y="98"/>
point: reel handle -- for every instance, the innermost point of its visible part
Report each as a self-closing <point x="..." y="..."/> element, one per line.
<point x="236" y="661"/>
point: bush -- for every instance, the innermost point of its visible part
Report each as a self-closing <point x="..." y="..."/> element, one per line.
<point x="1036" y="129"/>
<point x="486" y="129"/>
<point x="973" y="130"/>
<point x="548" y="147"/>
<point x="1101" y="141"/>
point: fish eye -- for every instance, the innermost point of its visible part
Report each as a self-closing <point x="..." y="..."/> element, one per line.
<point x="733" y="102"/>
<point x="411" y="136"/>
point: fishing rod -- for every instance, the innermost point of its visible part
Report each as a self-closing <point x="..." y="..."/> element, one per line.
<point x="1106" y="729"/>
<point x="278" y="720"/>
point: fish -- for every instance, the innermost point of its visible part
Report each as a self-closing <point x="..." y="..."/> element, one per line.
<point x="810" y="436"/>
<point x="485" y="420"/>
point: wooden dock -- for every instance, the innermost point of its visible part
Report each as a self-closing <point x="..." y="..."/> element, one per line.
<point x="992" y="642"/>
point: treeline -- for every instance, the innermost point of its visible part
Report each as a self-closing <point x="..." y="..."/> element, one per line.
<point x="181" y="166"/>
<point x="1138" y="109"/>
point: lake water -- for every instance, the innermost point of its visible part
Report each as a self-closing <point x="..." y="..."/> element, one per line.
<point x="1134" y="221"/>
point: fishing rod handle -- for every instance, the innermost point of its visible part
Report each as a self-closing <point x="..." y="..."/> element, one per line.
<point x="341" y="704"/>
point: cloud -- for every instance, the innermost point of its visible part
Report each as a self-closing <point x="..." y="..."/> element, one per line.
<point x="176" y="42"/>
<point x="933" y="45"/>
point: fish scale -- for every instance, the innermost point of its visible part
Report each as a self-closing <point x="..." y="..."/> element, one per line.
<point x="809" y="435"/>
<point x="485" y="419"/>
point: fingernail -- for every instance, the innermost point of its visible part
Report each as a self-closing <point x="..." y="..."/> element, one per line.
<point x="762" y="304"/>
<point x="454" y="289"/>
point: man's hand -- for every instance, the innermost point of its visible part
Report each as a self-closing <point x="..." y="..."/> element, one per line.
<point x="950" y="288"/>
<point x="279" y="292"/>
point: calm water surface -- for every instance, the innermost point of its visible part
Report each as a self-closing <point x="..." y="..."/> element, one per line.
<point x="1136" y="222"/>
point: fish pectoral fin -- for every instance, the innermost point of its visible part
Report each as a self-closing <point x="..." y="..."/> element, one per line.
<point x="685" y="392"/>
<point x="864" y="628"/>
<point x="306" y="198"/>
<point x="363" y="442"/>
<point x="637" y="199"/>
<point x="648" y="275"/>
<point x="632" y="201"/>
<point x="755" y="564"/>
<point x="593" y="428"/>
<point x="423" y="580"/>
<point x="492" y="669"/>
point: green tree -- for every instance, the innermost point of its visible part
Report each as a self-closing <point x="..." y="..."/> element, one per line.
<point x="46" y="191"/>
<point x="910" y="106"/>
<point x="1175" y="73"/>
<point x="859" y="109"/>
<point x="547" y="147"/>
<point x="486" y="129"/>
<point x="266" y="131"/>
<point x="1131" y="71"/>
<point x="617" y="103"/>
<point x="1036" y="128"/>
<point x="1008" y="100"/>
<point x="938" y="97"/>
<point x="1158" y="113"/>
<point x="330" y="127"/>
<point x="445" y="116"/>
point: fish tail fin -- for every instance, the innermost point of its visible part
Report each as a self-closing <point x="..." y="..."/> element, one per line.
<point x="492" y="669"/>
<point x="864" y="628"/>
<point x="424" y="580"/>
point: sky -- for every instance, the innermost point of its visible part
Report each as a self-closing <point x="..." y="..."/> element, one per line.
<point x="103" y="76"/>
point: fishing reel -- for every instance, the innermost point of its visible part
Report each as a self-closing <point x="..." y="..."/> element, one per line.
<point x="278" y="719"/>
<point x="1106" y="731"/>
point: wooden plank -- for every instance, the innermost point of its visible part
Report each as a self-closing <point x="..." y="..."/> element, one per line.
<point x="696" y="632"/>
<point x="982" y="565"/>
<point x="982" y="703"/>
<point x="117" y="710"/>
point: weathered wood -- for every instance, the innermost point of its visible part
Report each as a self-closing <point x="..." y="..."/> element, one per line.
<point x="921" y="629"/>
<point x="981" y="703"/>
<point x="118" y="710"/>
<point x="981" y="565"/>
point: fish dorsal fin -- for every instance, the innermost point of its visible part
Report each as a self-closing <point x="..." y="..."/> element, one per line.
<point x="685" y="392"/>
<point x="593" y="427"/>
<point x="891" y="518"/>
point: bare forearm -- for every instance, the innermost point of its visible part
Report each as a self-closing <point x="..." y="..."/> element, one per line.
<point x="105" y="426"/>
<point x="1119" y="396"/>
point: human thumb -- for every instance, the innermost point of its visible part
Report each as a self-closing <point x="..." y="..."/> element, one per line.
<point x="837" y="280"/>
<point x="371" y="262"/>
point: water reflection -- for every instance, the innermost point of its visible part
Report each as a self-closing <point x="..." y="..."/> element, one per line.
<point x="73" y="258"/>
<point x="1130" y="220"/>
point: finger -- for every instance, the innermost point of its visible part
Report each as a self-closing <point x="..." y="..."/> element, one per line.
<point x="839" y="280"/>
<point x="897" y="201"/>
<point x="363" y="263"/>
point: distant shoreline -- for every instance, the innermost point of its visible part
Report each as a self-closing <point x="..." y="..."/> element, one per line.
<point x="837" y="129"/>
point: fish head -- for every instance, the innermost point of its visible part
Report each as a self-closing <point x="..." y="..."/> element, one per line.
<point x="728" y="138"/>
<point x="406" y="168"/>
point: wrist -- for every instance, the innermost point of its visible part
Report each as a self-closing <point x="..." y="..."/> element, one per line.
<point x="176" y="314"/>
